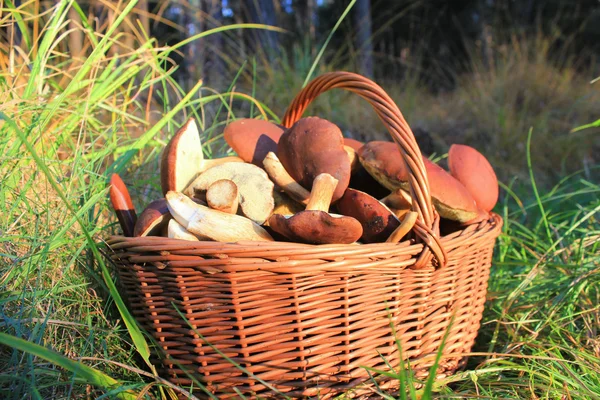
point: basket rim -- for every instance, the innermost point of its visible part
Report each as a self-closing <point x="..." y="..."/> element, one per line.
<point x="495" y="222"/>
<point x="277" y="257"/>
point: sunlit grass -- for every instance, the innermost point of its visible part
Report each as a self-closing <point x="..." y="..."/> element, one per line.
<point x="110" y="111"/>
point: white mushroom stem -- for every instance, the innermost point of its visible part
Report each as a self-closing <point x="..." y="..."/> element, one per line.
<point x="322" y="192"/>
<point x="213" y="224"/>
<point x="407" y="224"/>
<point x="176" y="231"/>
<point x="282" y="178"/>
<point x="222" y="195"/>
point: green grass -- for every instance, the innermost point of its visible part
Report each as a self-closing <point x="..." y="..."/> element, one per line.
<point x="68" y="123"/>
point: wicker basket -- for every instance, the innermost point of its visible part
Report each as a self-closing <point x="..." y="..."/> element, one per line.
<point x="306" y="319"/>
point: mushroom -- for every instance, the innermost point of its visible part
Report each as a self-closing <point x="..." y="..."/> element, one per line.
<point x="122" y="204"/>
<point x="475" y="172"/>
<point x="255" y="189"/>
<point x="362" y="178"/>
<point x="176" y="231"/>
<point x="153" y="220"/>
<point x="378" y="222"/>
<point x="353" y="143"/>
<point x="182" y="159"/>
<point x="450" y="198"/>
<point x="284" y="204"/>
<point x="282" y="179"/>
<point x="212" y="224"/>
<point x="353" y="158"/>
<point x="399" y="201"/>
<point x="313" y="146"/>
<point x="407" y="224"/>
<point x="252" y="139"/>
<point x="448" y="226"/>
<point x="315" y="225"/>
<point x="383" y="161"/>
<point x="222" y="195"/>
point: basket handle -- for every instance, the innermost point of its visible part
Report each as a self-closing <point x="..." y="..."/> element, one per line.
<point x="427" y="226"/>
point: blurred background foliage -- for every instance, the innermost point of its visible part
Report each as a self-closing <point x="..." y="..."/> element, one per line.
<point x="480" y="72"/>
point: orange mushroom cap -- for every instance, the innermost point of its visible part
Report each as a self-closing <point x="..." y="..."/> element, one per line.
<point x="383" y="161"/>
<point x="122" y="204"/>
<point x="450" y="198"/>
<point x="252" y="139"/>
<point x="475" y="172"/>
<point x="355" y="144"/>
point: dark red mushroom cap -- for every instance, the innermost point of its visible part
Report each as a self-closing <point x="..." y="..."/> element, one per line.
<point x="313" y="146"/>
<point x="378" y="222"/>
<point x="252" y="139"/>
<point x="154" y="220"/>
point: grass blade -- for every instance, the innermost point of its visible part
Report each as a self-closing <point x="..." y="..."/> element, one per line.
<point x="132" y="327"/>
<point x="535" y="190"/>
<point x="90" y="374"/>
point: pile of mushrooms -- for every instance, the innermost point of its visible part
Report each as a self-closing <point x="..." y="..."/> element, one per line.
<point x="305" y="184"/>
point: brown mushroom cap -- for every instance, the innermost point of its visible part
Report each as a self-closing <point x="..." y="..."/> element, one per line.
<point x="122" y="204"/>
<point x="153" y="220"/>
<point x="181" y="158"/>
<point x="378" y="221"/>
<point x="475" y="172"/>
<point x="252" y="139"/>
<point x="383" y="161"/>
<point x="315" y="225"/>
<point x="450" y="198"/>
<point x="313" y="146"/>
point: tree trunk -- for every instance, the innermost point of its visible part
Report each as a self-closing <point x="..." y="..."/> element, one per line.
<point x="193" y="59"/>
<point x="363" y="43"/>
<point x="305" y="18"/>
<point x="214" y="66"/>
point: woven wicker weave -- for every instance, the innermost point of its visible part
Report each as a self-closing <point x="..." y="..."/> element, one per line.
<point x="306" y="319"/>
